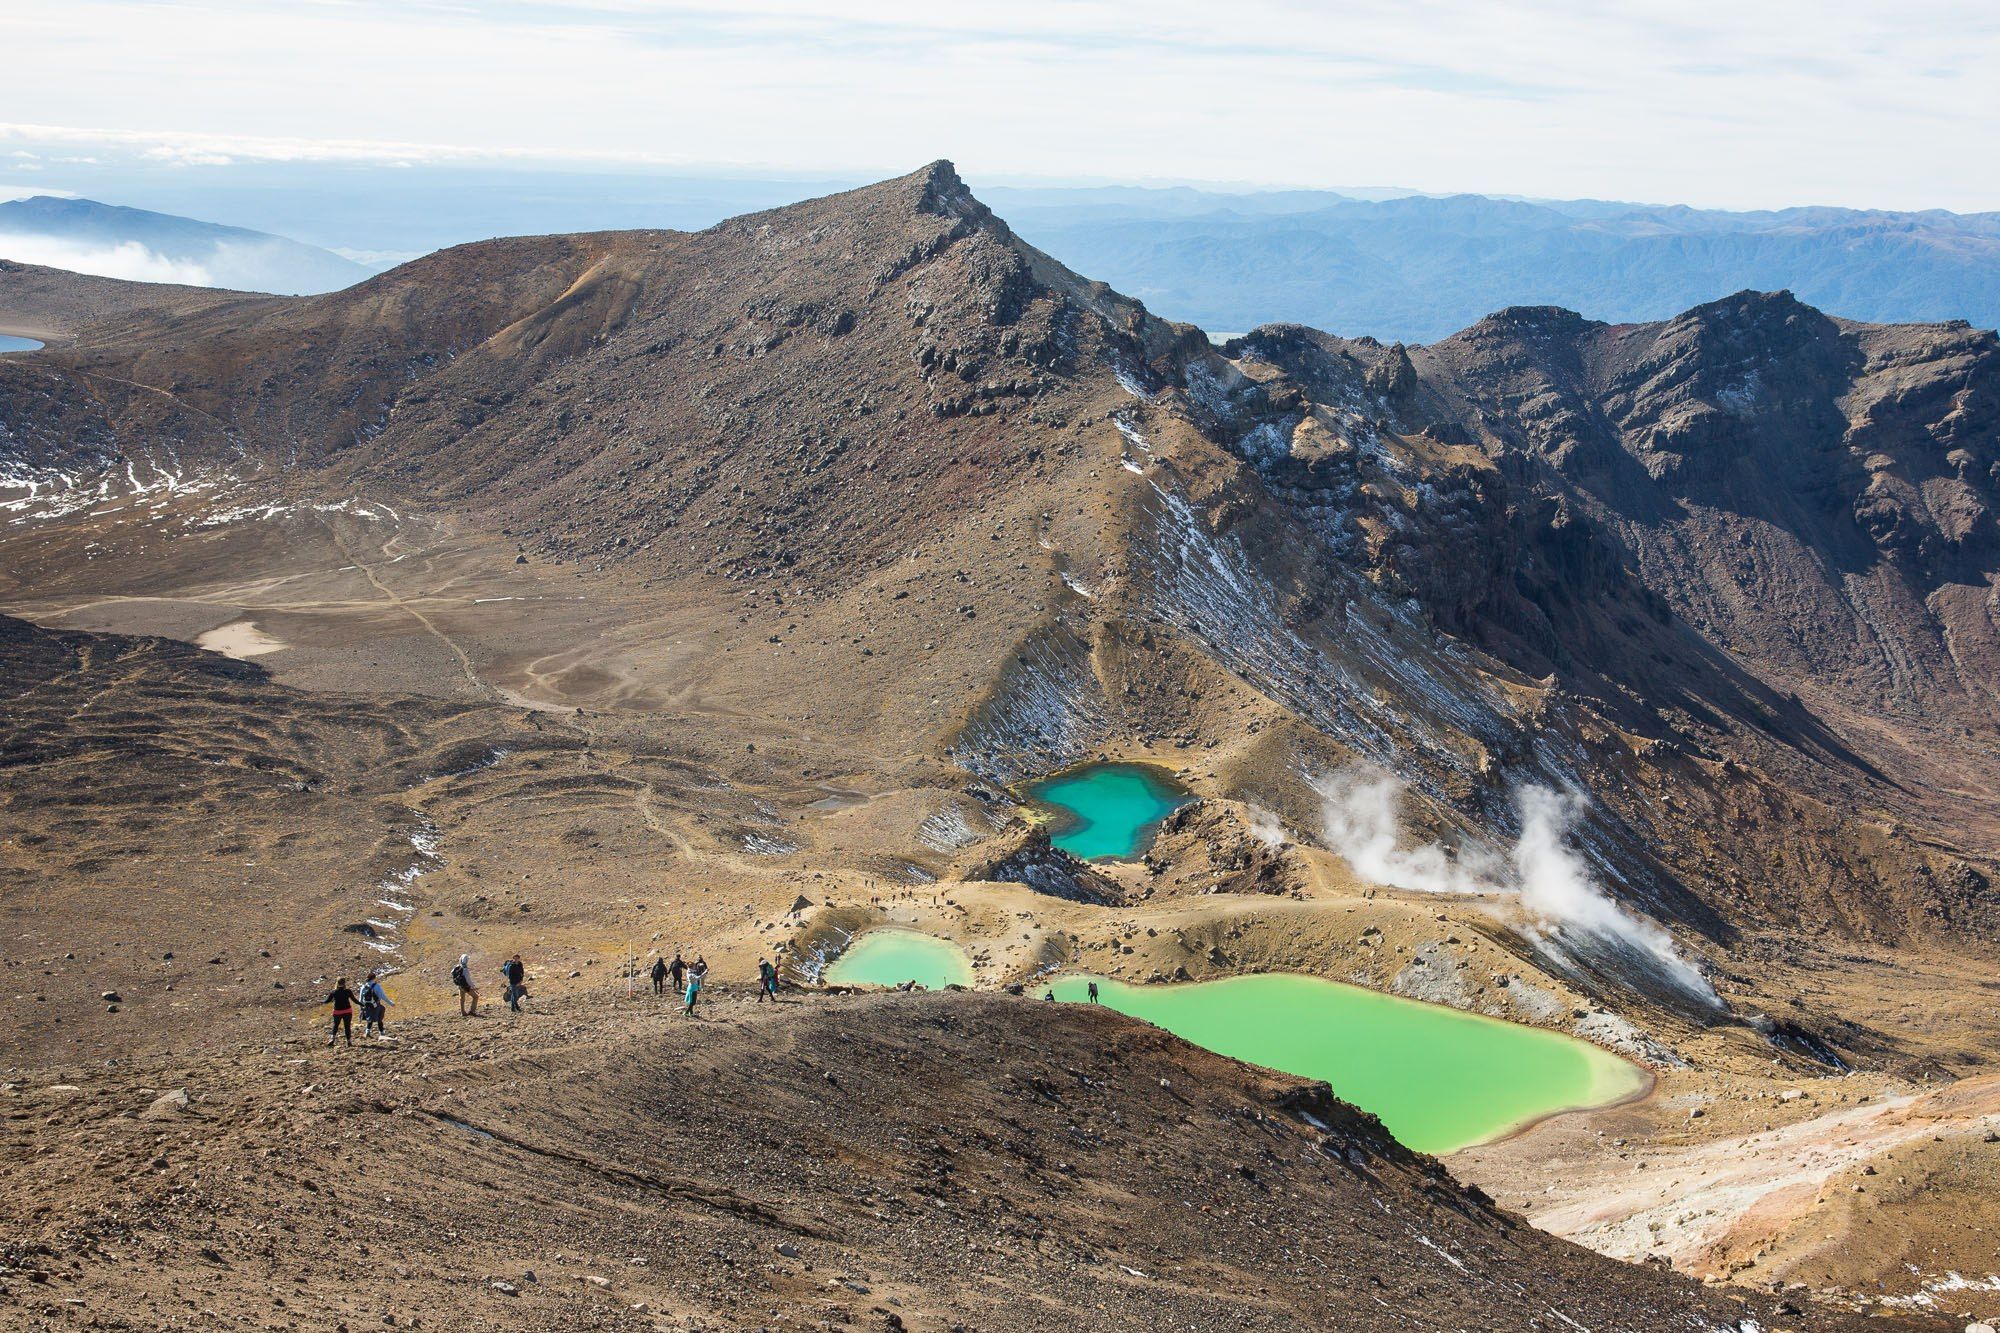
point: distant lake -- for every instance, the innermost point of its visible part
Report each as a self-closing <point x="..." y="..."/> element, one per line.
<point x="11" y="343"/>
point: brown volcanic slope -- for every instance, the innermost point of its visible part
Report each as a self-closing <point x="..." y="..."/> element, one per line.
<point x="52" y="304"/>
<point x="632" y="587"/>
<point x="799" y="415"/>
<point x="603" y="1166"/>
<point x="207" y="824"/>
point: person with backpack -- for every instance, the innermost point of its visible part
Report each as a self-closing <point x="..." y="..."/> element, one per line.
<point x="516" y="973"/>
<point x="696" y="976"/>
<point x="342" y="1001"/>
<point x="659" y="976"/>
<point x="461" y="977"/>
<point x="678" y="972"/>
<point x="767" y="981"/>
<point x="374" y="1006"/>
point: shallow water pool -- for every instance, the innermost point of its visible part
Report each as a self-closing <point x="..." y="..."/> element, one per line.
<point x="890" y="957"/>
<point x="10" y="342"/>
<point x="1439" y="1079"/>
<point x="1108" y="811"/>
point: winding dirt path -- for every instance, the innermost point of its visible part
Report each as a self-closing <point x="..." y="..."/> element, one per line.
<point x="472" y="677"/>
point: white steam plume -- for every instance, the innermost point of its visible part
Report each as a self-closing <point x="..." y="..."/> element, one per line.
<point x="1553" y="882"/>
<point x="1359" y="806"/>
<point x="1267" y="828"/>
<point x="1556" y="885"/>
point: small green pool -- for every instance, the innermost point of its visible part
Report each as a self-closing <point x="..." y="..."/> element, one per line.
<point x="1439" y="1079"/>
<point x="1108" y="811"/>
<point x="890" y="957"/>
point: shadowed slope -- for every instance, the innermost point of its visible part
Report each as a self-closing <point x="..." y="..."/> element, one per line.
<point x="603" y="1166"/>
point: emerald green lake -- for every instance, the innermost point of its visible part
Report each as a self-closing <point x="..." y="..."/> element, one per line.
<point x="1440" y="1080"/>
<point x="891" y="957"/>
<point x="1108" y="811"/>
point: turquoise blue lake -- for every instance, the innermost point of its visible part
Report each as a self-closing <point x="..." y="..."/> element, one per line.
<point x="1108" y="811"/>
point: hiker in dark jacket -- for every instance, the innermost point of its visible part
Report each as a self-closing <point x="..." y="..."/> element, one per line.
<point x="516" y="973"/>
<point x="342" y="1001"/>
<point x="679" y="973"/>
<point x="659" y="976"/>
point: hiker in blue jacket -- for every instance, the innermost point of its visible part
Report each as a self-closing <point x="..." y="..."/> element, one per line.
<point x="696" y="976"/>
<point x="374" y="1006"/>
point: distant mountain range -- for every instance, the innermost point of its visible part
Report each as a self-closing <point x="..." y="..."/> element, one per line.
<point x="1395" y="264"/>
<point x="104" y="239"/>
<point x="1417" y="268"/>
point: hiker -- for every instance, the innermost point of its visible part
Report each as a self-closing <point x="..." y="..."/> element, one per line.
<point x="1049" y="994"/>
<point x="374" y="1006"/>
<point x="696" y="975"/>
<point x="659" y="976"/>
<point x="516" y="973"/>
<point x="342" y="1001"/>
<point x="679" y="973"/>
<point x="767" y="978"/>
<point x="461" y="977"/>
<point x="1093" y="992"/>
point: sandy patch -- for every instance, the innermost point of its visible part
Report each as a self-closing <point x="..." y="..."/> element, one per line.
<point x="240" y="639"/>
<point x="1698" y="1204"/>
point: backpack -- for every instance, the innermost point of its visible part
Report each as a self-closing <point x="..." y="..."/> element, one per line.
<point x="458" y="977"/>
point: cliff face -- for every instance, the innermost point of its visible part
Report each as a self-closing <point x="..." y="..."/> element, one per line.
<point x="1754" y="533"/>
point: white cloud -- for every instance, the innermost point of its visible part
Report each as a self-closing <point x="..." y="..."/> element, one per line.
<point x="181" y="155"/>
<point x="127" y="259"/>
<point x="1701" y="101"/>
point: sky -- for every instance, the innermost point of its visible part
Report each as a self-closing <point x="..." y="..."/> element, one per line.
<point x="1768" y="103"/>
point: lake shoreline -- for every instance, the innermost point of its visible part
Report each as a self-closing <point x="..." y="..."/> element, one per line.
<point x="1426" y="1106"/>
<point x="1077" y="801"/>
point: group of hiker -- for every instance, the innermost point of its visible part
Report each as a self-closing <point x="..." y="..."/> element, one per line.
<point x="513" y="971"/>
<point x="687" y="978"/>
